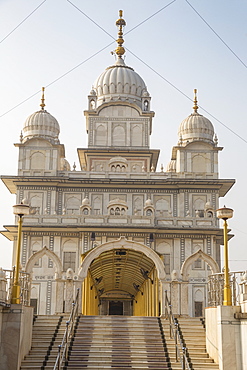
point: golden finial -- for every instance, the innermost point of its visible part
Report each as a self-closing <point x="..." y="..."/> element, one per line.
<point x="195" y="101"/>
<point x="120" y="23"/>
<point x="43" y="99"/>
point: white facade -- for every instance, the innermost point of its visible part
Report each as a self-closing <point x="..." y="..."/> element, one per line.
<point x="118" y="192"/>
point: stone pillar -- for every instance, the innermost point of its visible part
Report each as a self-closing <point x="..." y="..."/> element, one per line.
<point x="163" y="287"/>
<point x="78" y="285"/>
<point x="16" y="335"/>
<point x="175" y="297"/>
<point x="59" y="295"/>
<point x="69" y="295"/>
<point x="223" y="335"/>
<point x="184" y="299"/>
<point x="229" y="343"/>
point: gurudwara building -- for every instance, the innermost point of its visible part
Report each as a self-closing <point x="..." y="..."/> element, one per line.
<point x="119" y="228"/>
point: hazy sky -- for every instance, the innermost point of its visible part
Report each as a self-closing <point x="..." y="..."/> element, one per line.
<point x="176" y="43"/>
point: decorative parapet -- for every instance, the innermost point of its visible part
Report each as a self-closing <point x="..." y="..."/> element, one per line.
<point x="6" y="283"/>
<point x="238" y="289"/>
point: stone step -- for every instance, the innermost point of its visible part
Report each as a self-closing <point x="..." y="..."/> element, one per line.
<point x="107" y="342"/>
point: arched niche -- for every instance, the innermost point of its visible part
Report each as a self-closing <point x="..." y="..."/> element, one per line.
<point x="205" y="257"/>
<point x="45" y="251"/>
<point x="199" y="163"/>
<point x="118" y="136"/>
<point x="37" y="161"/>
<point x="101" y="135"/>
<point x="136" y="136"/>
<point x="122" y="242"/>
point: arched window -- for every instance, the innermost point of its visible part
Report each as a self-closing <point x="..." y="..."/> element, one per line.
<point x="136" y="137"/>
<point x="97" y="206"/>
<point x="199" y="205"/>
<point x="100" y="136"/>
<point x="73" y="205"/>
<point x="118" y="136"/>
<point x="162" y="206"/>
<point x="117" y="211"/>
<point x="92" y="104"/>
<point x="146" y="105"/>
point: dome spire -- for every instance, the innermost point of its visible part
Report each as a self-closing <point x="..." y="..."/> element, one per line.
<point x="43" y="99"/>
<point x="195" y="101"/>
<point x="120" y="23"/>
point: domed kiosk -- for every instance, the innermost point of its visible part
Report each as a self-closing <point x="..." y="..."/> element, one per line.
<point x="196" y="127"/>
<point x="40" y="148"/>
<point x="197" y="150"/>
<point x="41" y="124"/>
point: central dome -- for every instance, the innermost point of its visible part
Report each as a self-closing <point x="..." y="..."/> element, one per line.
<point x="120" y="82"/>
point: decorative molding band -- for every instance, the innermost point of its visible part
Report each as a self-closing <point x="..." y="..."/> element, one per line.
<point x="48" y="297"/>
<point x="182" y="250"/>
<point x="24" y="250"/>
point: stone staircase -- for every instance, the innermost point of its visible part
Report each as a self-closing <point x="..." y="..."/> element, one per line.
<point x="194" y="336"/>
<point x="48" y="331"/>
<point x="117" y="342"/>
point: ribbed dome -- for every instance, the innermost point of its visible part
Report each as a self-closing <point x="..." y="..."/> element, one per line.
<point x="120" y="82"/>
<point x="41" y="124"/>
<point x="196" y="127"/>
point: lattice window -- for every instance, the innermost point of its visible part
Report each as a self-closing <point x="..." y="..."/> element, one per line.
<point x="69" y="259"/>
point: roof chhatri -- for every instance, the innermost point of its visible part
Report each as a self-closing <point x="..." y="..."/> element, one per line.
<point x="120" y="23"/>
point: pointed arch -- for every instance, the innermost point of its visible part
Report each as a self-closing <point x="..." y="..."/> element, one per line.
<point x="101" y="135"/>
<point x="136" y="137"/>
<point x="118" y="137"/>
<point x="122" y="242"/>
<point x="37" y="161"/>
<point x="45" y="251"/>
<point x="199" y="254"/>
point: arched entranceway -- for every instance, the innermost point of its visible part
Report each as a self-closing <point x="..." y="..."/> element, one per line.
<point x="193" y="285"/>
<point x="122" y="278"/>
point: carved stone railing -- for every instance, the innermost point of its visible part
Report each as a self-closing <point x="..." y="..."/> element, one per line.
<point x="216" y="287"/>
<point x="6" y="283"/>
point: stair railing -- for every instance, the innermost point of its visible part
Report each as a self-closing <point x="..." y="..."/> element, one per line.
<point x="180" y="349"/>
<point x="63" y="348"/>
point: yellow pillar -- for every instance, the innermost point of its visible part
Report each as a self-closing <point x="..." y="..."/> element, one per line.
<point x="227" y="288"/>
<point x="16" y="286"/>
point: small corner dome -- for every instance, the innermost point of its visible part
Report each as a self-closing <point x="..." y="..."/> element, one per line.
<point x="43" y="125"/>
<point x="148" y="202"/>
<point x="85" y="202"/>
<point x="120" y="82"/>
<point x="196" y="127"/>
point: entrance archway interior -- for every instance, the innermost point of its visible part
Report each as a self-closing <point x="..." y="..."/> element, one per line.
<point x="121" y="282"/>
